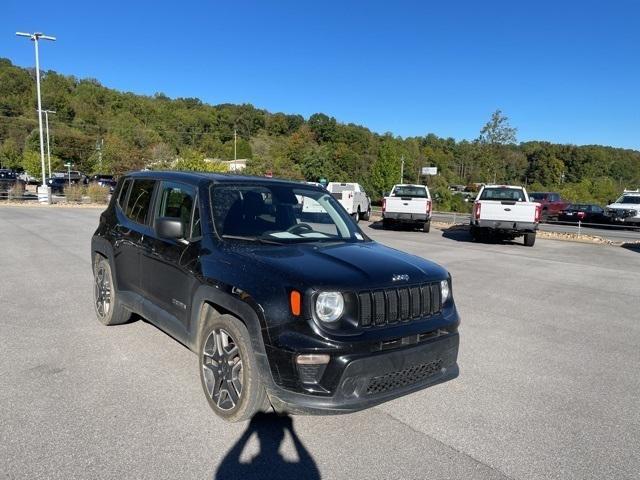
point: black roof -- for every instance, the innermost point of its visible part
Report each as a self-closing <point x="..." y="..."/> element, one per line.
<point x="197" y="177"/>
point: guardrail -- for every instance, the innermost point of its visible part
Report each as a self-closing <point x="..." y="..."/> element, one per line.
<point x="579" y="228"/>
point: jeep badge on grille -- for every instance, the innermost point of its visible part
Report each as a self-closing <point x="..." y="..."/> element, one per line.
<point x="400" y="278"/>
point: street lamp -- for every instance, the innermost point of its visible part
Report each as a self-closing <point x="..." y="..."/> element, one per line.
<point x="35" y="38"/>
<point x="46" y="127"/>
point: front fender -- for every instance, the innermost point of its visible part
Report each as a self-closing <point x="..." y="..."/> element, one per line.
<point x="241" y="308"/>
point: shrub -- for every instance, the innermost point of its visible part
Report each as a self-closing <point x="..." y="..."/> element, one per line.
<point x="98" y="193"/>
<point x="74" y="192"/>
<point x="17" y="191"/>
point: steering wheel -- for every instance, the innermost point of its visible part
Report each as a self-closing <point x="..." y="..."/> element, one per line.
<point x="300" y="228"/>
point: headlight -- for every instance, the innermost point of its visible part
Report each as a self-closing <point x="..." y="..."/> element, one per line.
<point x="445" y="291"/>
<point x="329" y="306"/>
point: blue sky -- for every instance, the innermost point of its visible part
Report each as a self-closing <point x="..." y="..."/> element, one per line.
<point x="563" y="71"/>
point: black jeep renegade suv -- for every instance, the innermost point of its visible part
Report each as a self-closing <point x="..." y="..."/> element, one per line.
<point x="298" y="311"/>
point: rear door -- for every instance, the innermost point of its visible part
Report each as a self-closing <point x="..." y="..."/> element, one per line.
<point x="170" y="267"/>
<point x="132" y="213"/>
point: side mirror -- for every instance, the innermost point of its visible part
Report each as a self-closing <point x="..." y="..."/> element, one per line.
<point x="170" y="228"/>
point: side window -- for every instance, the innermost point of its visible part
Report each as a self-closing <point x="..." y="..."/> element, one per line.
<point x="176" y="201"/>
<point x="123" y="193"/>
<point x="139" y="200"/>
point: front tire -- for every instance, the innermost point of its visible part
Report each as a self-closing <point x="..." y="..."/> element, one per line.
<point x="106" y="301"/>
<point x="529" y="239"/>
<point x="228" y="368"/>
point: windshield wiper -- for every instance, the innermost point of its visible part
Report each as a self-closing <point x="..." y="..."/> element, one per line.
<point x="252" y="239"/>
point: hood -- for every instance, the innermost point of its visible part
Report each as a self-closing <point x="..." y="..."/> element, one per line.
<point x="353" y="266"/>
<point x="625" y="206"/>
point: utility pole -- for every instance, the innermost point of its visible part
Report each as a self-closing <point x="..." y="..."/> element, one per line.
<point x="35" y="38"/>
<point x="46" y="122"/>
<point x="235" y="148"/>
<point x="402" y="169"/>
<point x="99" y="146"/>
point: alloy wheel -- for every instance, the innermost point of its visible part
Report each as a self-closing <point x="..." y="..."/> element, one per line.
<point x="102" y="291"/>
<point x="222" y="369"/>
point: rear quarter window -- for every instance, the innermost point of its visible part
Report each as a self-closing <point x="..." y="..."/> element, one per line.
<point x="122" y="196"/>
<point x="139" y="200"/>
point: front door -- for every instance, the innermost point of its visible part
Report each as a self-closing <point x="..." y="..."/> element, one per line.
<point x="170" y="267"/>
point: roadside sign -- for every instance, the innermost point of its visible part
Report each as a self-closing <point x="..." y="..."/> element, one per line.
<point x="269" y="174"/>
<point x="429" y="170"/>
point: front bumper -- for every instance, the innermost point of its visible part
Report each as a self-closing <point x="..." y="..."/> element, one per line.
<point x="370" y="379"/>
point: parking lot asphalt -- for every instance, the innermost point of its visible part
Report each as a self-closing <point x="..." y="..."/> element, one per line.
<point x="549" y="384"/>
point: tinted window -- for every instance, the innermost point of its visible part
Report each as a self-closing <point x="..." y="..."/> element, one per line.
<point x="176" y="201"/>
<point x="537" y="196"/>
<point x="123" y="193"/>
<point x="413" y="192"/>
<point x="279" y="214"/>
<point x="630" y="199"/>
<point x="499" y="194"/>
<point x="139" y="200"/>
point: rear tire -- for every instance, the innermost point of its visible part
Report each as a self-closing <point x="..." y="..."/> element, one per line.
<point x="106" y="301"/>
<point x="356" y="216"/>
<point x="473" y="232"/>
<point x="426" y="227"/>
<point x="228" y="368"/>
<point x="529" y="239"/>
<point x="386" y="224"/>
<point x="367" y="215"/>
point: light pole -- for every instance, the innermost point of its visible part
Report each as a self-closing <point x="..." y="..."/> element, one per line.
<point x="35" y="38"/>
<point x="235" y="148"/>
<point x="46" y="125"/>
<point x="402" y="169"/>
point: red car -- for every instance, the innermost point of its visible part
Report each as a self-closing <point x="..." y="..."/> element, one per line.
<point x="551" y="203"/>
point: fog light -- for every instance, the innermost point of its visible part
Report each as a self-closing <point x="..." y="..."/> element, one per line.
<point x="312" y="359"/>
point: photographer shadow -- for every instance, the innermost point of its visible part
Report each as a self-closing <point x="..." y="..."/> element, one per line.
<point x="268" y="463"/>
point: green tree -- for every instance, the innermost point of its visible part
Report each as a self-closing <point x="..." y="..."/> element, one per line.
<point x="10" y="156"/>
<point x="385" y="171"/>
<point x="192" y="160"/>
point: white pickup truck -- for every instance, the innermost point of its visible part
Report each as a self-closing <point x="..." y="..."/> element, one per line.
<point x="505" y="211"/>
<point x="409" y="205"/>
<point x="353" y="198"/>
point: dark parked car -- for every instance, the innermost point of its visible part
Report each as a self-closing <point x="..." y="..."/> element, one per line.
<point x="8" y="180"/>
<point x="73" y="176"/>
<point x="585" y="213"/>
<point x="104" y="181"/>
<point x="301" y="317"/>
<point x="57" y="184"/>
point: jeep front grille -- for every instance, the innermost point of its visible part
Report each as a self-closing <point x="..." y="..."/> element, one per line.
<point x="382" y="307"/>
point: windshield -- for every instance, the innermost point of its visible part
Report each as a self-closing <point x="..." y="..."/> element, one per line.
<point x="629" y="199"/>
<point x="280" y="214"/>
<point x="341" y="187"/>
<point x="503" y="194"/>
<point x="414" y="192"/>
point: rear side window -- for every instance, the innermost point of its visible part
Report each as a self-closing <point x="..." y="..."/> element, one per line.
<point x="413" y="192"/>
<point x="122" y="198"/>
<point x="499" y="194"/>
<point x="177" y="201"/>
<point x="139" y="200"/>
